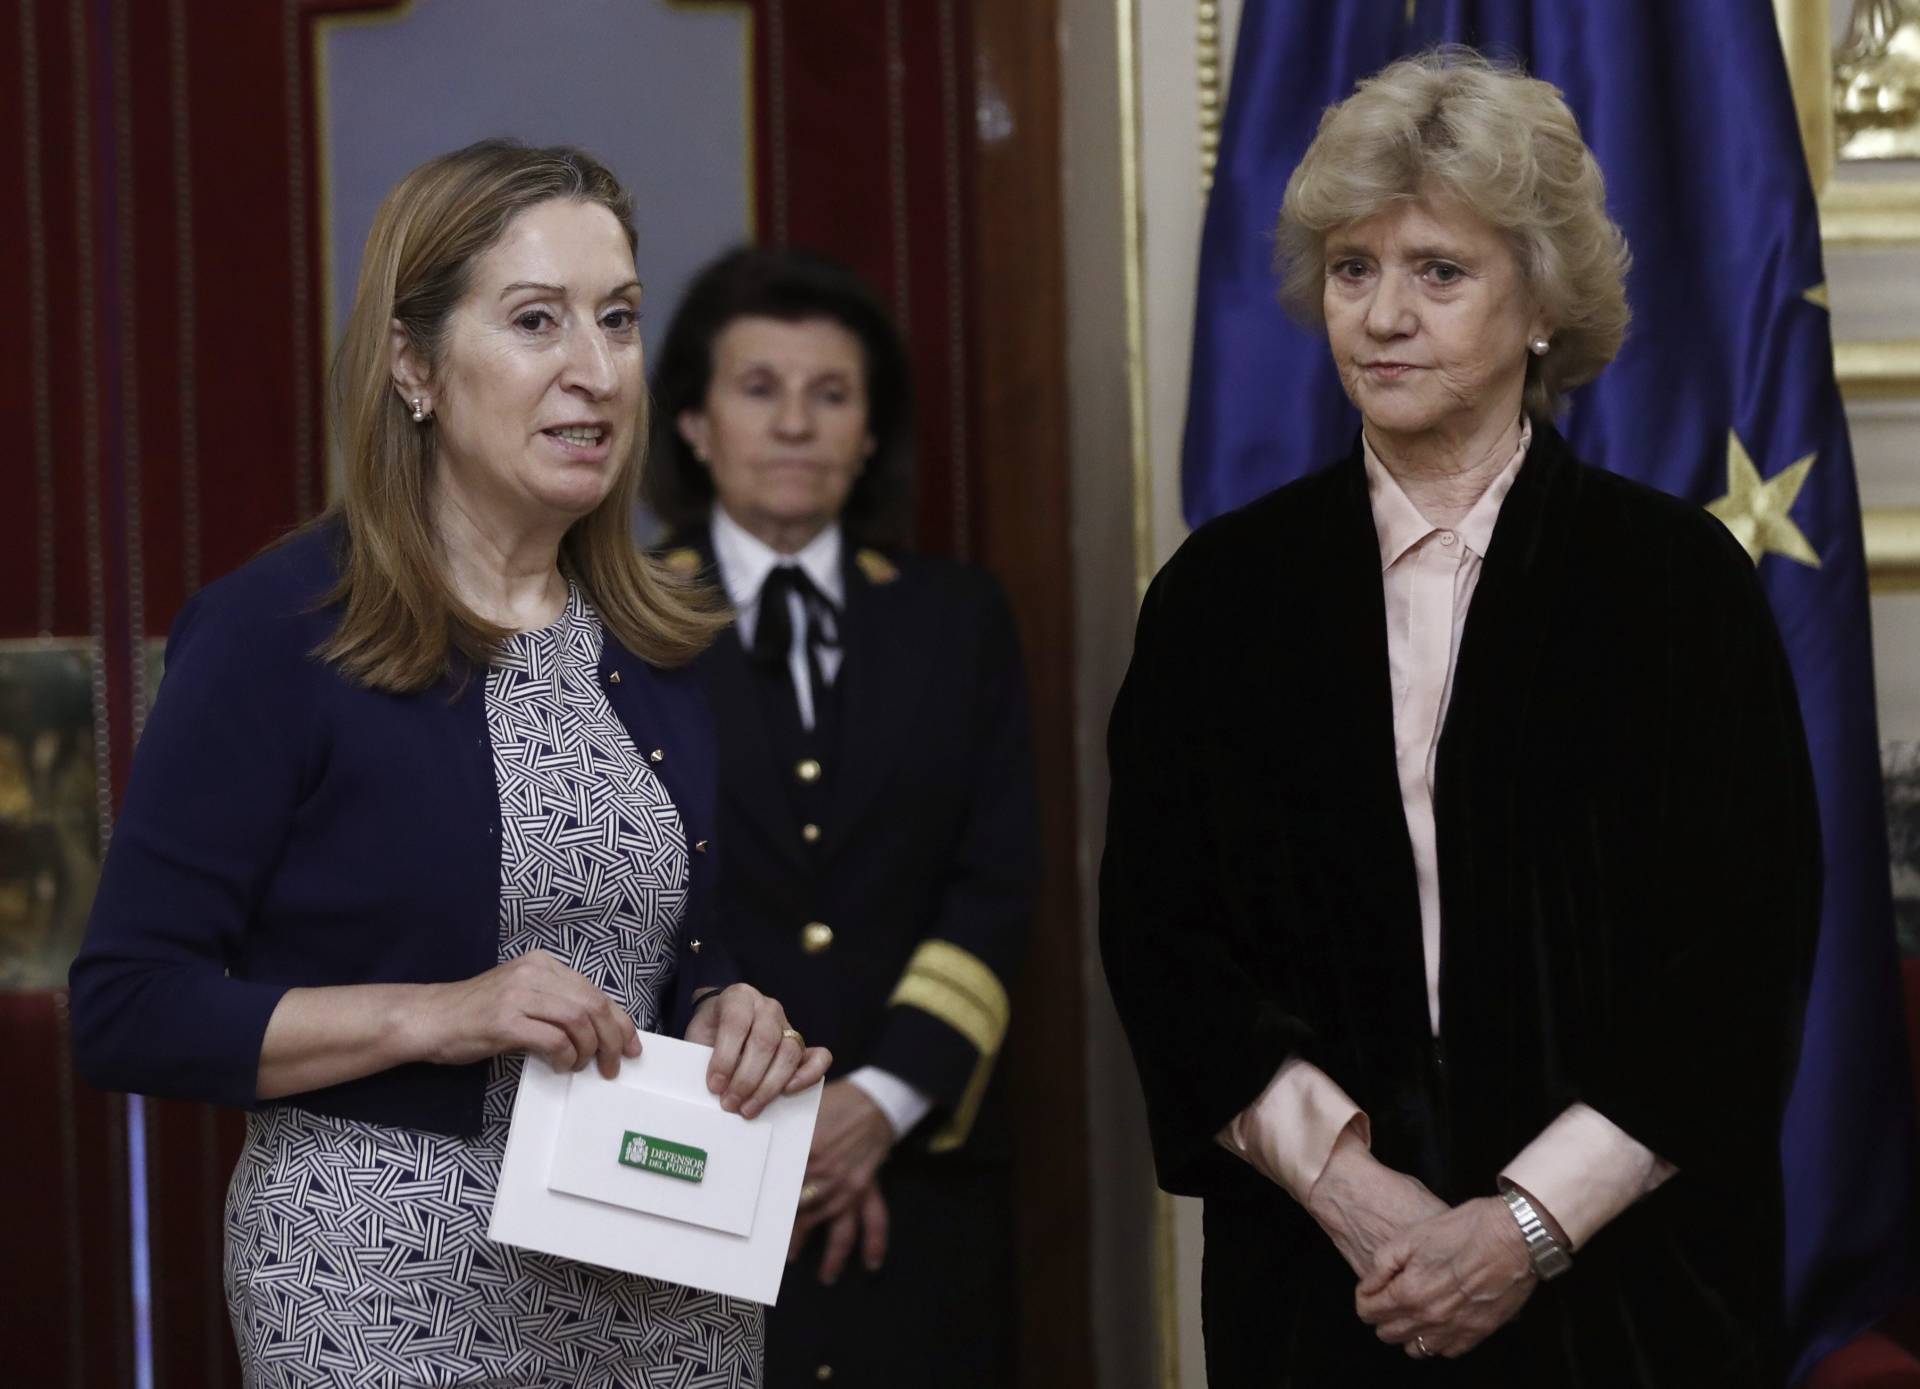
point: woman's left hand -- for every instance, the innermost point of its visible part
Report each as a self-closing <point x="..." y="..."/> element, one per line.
<point x="757" y="1056"/>
<point x="1447" y="1284"/>
<point x="851" y="1138"/>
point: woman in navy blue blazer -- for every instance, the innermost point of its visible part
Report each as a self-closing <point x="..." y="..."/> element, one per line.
<point x="429" y="787"/>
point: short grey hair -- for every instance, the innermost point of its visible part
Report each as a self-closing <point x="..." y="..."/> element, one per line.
<point x="1503" y="144"/>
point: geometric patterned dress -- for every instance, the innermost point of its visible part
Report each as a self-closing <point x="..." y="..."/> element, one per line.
<point x="357" y="1254"/>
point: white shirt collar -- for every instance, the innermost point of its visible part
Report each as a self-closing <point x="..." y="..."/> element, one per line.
<point x="745" y="561"/>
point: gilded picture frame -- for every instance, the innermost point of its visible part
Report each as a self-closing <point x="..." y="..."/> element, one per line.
<point x="50" y="806"/>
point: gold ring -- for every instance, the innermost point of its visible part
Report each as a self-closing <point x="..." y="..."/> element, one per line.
<point x="795" y="1034"/>
<point x="1421" y="1343"/>
<point x="809" y="1194"/>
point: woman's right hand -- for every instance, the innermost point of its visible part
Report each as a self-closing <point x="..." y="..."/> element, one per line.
<point x="530" y="1003"/>
<point x="1363" y="1204"/>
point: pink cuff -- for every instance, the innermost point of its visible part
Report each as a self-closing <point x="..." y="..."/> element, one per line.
<point x="1586" y="1170"/>
<point x="1289" y="1130"/>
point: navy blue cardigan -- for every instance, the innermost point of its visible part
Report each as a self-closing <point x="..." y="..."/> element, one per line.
<point x="284" y="827"/>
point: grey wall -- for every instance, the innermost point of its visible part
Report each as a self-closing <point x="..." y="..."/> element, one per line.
<point x="658" y="91"/>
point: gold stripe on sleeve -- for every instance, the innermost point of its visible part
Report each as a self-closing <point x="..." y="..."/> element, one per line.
<point x="955" y="986"/>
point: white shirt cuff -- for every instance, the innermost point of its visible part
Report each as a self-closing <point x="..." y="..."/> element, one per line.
<point x="1586" y="1170"/>
<point x="903" y="1104"/>
<point x="1289" y="1130"/>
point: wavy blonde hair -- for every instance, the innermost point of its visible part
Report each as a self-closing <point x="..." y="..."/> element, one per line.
<point x="1451" y="123"/>
<point x="403" y="627"/>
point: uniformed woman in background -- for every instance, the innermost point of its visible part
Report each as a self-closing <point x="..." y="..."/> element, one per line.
<point x="877" y="836"/>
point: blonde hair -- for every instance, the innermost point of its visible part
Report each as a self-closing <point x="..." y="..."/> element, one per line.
<point x="1451" y="123"/>
<point x="403" y="627"/>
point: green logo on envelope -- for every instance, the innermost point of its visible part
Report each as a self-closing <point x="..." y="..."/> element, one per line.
<point x="669" y="1159"/>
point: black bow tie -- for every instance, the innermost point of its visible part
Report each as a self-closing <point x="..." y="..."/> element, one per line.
<point x="773" y="632"/>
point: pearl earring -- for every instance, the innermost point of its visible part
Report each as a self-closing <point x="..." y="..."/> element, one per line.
<point x="1539" y="346"/>
<point x="420" y="414"/>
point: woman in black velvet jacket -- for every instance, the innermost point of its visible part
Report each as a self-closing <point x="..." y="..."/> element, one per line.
<point x="1462" y="867"/>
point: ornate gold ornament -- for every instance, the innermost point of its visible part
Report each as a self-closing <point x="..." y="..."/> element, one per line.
<point x="1212" y="86"/>
<point x="1876" y="82"/>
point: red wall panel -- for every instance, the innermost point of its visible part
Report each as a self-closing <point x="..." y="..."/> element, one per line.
<point x="163" y="413"/>
<point x="864" y="146"/>
<point x="66" y="1320"/>
<point x="19" y="268"/>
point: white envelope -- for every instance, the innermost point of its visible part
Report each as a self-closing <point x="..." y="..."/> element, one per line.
<point x="647" y="1174"/>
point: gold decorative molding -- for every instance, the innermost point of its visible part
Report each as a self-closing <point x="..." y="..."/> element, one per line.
<point x="1166" y="1286"/>
<point x="1893" y="549"/>
<point x="1133" y="216"/>
<point x="1879" y="370"/>
<point x="1212" y="86"/>
<point x="1856" y="213"/>
<point x="1806" y="42"/>
<point x="1852" y="212"/>
<point x="1887" y="370"/>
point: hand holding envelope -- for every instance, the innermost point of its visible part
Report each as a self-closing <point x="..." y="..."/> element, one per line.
<point x="752" y="1049"/>
<point x="651" y="1173"/>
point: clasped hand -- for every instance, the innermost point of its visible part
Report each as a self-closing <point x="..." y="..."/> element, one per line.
<point x="1444" y="1286"/>
<point x="1445" y="1278"/>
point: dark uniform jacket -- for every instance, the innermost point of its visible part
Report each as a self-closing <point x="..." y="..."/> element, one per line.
<point x="878" y="879"/>
<point x="1630" y="886"/>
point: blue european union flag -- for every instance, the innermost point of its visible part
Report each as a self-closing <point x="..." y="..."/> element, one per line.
<point x="1724" y="393"/>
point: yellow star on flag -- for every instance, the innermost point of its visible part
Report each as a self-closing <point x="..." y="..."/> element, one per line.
<point x="1756" y="511"/>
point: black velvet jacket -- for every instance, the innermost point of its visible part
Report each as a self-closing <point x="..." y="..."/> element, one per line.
<point x="1630" y="885"/>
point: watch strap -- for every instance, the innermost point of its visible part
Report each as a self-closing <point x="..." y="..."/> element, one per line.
<point x="1550" y="1258"/>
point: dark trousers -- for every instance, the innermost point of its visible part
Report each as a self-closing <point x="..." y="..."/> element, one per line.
<point x="941" y="1310"/>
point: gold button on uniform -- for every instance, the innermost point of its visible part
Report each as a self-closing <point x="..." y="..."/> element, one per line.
<point x="808" y="770"/>
<point x="824" y="1373"/>
<point x="656" y="756"/>
<point x="613" y="677"/>
<point x="700" y="846"/>
<point x="810" y="833"/>
<point x="694" y="946"/>
<point x="815" y="937"/>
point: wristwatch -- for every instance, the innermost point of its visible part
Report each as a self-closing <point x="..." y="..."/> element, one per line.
<point x="1550" y="1257"/>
